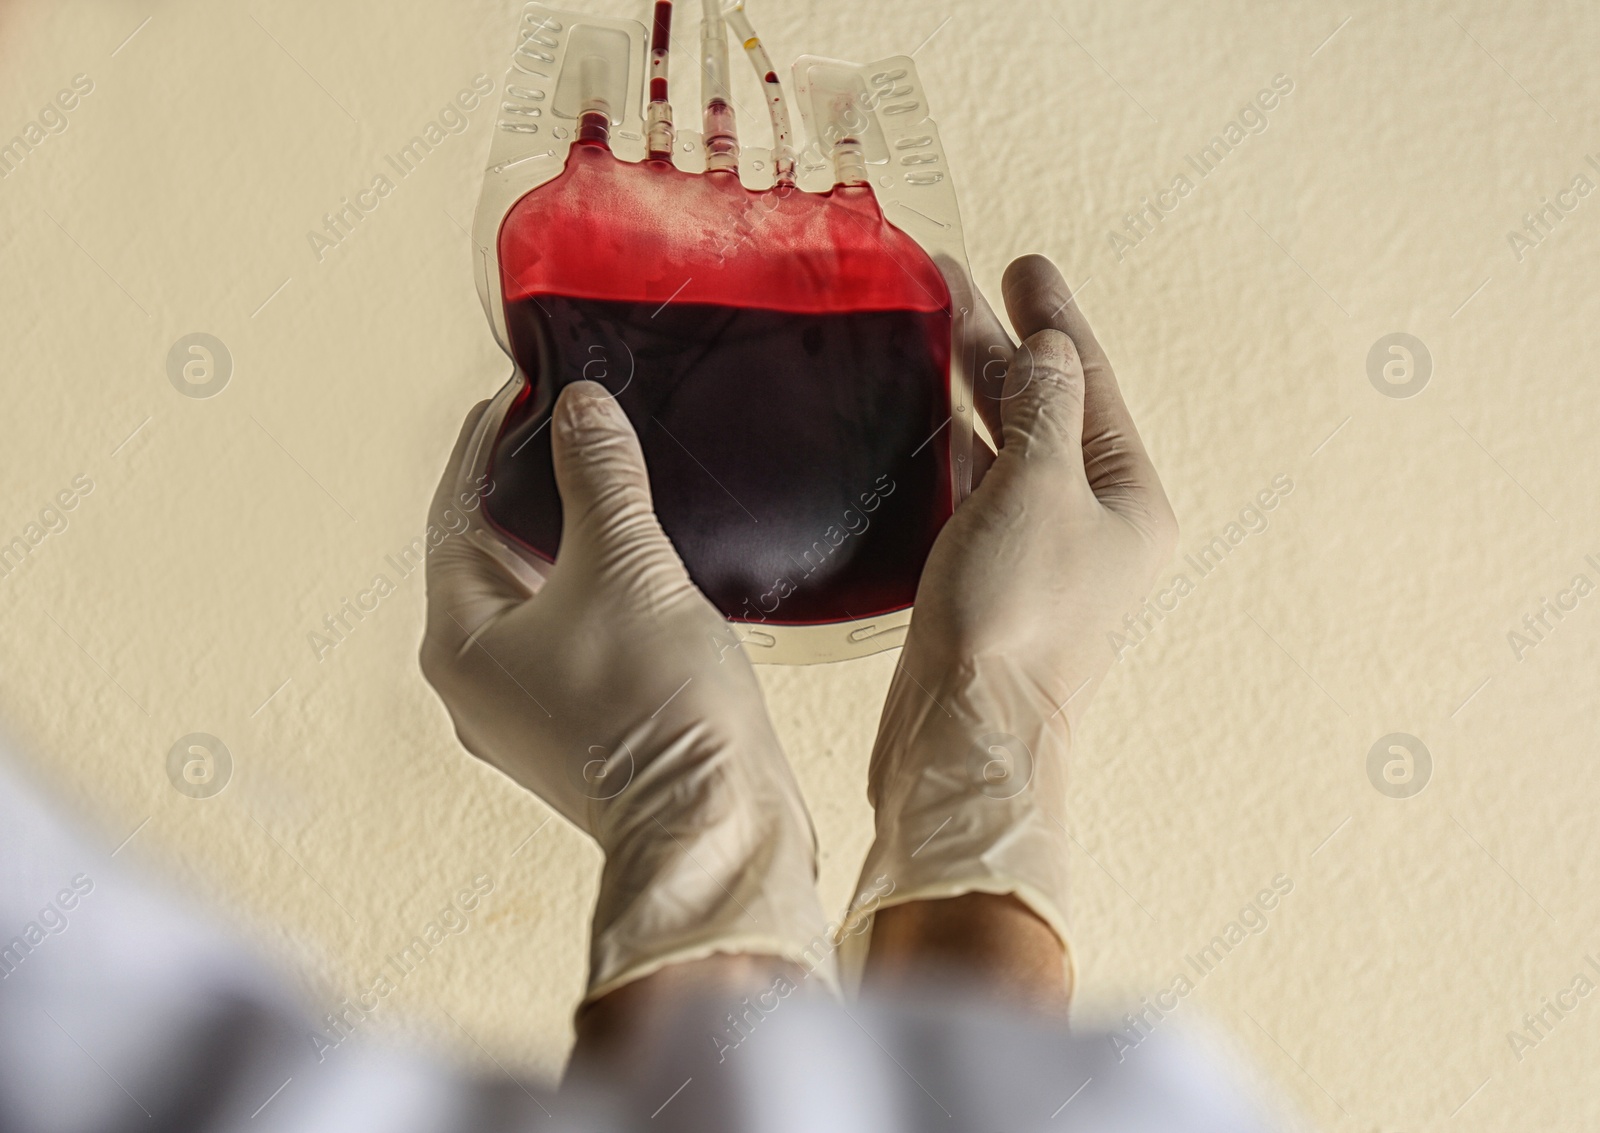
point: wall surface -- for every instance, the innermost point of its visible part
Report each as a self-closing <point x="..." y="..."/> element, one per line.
<point x="1409" y="536"/>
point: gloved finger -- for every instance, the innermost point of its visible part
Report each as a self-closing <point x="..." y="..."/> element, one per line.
<point x="466" y="587"/>
<point x="445" y="492"/>
<point x="1041" y="412"/>
<point x="1115" y="461"/>
<point x="609" y="527"/>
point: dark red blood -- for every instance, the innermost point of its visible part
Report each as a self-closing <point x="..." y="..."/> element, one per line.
<point x="661" y="26"/>
<point x="784" y="357"/>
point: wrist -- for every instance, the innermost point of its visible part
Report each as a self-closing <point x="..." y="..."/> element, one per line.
<point x="705" y="853"/>
<point x="968" y="782"/>
<point x="983" y="727"/>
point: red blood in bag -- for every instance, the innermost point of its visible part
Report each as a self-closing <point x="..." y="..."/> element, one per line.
<point x="783" y="355"/>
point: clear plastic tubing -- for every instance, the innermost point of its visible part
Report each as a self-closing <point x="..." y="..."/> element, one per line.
<point x="658" y="120"/>
<point x="721" y="141"/>
<point x="594" y="118"/>
<point x="782" y="136"/>
<point x="849" y="161"/>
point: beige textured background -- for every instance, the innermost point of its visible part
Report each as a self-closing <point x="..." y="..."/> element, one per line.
<point x="1228" y="747"/>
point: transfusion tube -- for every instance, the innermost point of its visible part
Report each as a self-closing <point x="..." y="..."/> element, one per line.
<point x="594" y="119"/>
<point x="849" y="161"/>
<point x="849" y="155"/>
<point x="658" y="124"/>
<point x="782" y="138"/>
<point x="722" y="143"/>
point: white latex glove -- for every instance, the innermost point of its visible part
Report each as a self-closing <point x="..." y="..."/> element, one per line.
<point x="1009" y="638"/>
<point x="620" y="697"/>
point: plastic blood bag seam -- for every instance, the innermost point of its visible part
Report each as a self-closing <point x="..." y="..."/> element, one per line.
<point x="784" y="350"/>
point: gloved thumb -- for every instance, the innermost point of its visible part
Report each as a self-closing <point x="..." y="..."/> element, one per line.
<point x="1041" y="406"/>
<point x="609" y="525"/>
<point x="1113" y="457"/>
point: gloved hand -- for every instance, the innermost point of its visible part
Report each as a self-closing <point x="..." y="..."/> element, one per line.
<point x="620" y="697"/>
<point x="1009" y="637"/>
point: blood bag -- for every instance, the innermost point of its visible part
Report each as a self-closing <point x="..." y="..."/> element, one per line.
<point x="782" y="325"/>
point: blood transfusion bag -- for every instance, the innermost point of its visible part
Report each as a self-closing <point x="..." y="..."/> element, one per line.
<point x="779" y="325"/>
